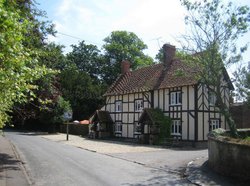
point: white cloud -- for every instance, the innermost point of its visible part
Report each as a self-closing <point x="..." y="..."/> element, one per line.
<point x="154" y="21"/>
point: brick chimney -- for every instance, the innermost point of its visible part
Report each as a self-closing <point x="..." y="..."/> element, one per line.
<point x="168" y="54"/>
<point x="125" y="66"/>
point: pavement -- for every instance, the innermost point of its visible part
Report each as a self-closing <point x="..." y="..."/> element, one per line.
<point x="12" y="171"/>
<point x="11" y="167"/>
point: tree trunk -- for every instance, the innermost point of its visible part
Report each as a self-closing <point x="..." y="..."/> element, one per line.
<point x="225" y="112"/>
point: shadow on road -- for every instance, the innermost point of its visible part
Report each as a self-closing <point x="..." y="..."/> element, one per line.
<point x="7" y="163"/>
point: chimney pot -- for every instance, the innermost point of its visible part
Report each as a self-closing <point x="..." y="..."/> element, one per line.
<point x="168" y="53"/>
<point x="125" y="66"/>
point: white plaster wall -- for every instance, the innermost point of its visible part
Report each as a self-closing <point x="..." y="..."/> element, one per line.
<point x="156" y="99"/>
<point x="124" y="118"/>
<point x="184" y="126"/>
<point x="131" y="131"/>
<point x="166" y="100"/>
<point x="124" y="130"/>
<point x="161" y="99"/>
<point x="125" y="97"/>
<point x="191" y="128"/>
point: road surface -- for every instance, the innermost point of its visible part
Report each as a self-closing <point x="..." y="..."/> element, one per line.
<point x="51" y="163"/>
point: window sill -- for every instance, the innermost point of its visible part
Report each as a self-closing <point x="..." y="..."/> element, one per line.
<point x="138" y="110"/>
<point x="176" y="134"/>
<point x="175" y="104"/>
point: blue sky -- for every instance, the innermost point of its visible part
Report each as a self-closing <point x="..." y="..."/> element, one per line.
<point x="154" y="21"/>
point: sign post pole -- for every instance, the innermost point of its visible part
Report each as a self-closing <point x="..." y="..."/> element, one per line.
<point x="67" y="137"/>
<point x="67" y="116"/>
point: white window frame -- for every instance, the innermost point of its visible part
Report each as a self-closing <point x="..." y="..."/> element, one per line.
<point x="214" y="124"/>
<point x="139" y="105"/>
<point x="211" y="99"/>
<point x="118" y="127"/>
<point x="176" y="127"/>
<point x="176" y="98"/>
<point x="118" y="106"/>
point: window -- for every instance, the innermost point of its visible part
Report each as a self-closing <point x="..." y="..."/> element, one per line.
<point x="175" y="98"/>
<point x="118" y="106"/>
<point x="138" y="128"/>
<point x="139" y="105"/>
<point x="118" y="127"/>
<point x="214" y="124"/>
<point x="211" y="99"/>
<point x="176" y="127"/>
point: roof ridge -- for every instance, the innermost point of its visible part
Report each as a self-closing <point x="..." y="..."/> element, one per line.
<point x="152" y="77"/>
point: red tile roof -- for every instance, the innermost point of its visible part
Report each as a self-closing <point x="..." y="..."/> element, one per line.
<point x="154" y="77"/>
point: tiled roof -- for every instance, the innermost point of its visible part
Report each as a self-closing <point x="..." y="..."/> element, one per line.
<point x="154" y="77"/>
<point x="101" y="116"/>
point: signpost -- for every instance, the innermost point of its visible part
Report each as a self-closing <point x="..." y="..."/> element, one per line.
<point x="67" y="116"/>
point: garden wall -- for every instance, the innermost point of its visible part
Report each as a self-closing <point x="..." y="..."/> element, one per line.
<point x="229" y="158"/>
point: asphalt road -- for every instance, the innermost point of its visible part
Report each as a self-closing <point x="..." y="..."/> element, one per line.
<point x="51" y="163"/>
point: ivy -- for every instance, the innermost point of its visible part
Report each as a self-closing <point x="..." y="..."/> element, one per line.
<point x="164" y="123"/>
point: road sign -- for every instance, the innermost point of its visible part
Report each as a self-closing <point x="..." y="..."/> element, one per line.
<point x="67" y="115"/>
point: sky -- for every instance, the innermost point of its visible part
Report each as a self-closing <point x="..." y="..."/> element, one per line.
<point x="154" y="21"/>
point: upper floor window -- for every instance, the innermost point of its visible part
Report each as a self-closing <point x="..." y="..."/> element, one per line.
<point x="214" y="124"/>
<point x="175" y="98"/>
<point x="139" y="105"/>
<point x="176" y="127"/>
<point x="211" y="99"/>
<point x="118" y="106"/>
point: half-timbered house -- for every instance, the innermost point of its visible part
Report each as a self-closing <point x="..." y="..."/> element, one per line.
<point x="170" y="86"/>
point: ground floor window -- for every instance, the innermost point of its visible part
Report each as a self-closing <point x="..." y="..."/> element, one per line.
<point x="138" y="128"/>
<point x="214" y="124"/>
<point x="176" y="127"/>
<point x="118" y="127"/>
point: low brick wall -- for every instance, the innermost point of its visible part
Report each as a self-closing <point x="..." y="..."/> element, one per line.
<point x="229" y="159"/>
<point x="76" y="129"/>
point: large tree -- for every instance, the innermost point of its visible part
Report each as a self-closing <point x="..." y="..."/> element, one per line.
<point x="87" y="58"/>
<point x="214" y="28"/>
<point x="81" y="81"/>
<point x="82" y="91"/>
<point x="119" y="46"/>
<point x="19" y="66"/>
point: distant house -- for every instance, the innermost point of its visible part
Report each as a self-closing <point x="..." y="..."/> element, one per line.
<point x="181" y="97"/>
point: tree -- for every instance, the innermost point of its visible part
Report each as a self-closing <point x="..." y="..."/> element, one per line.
<point x="52" y="56"/>
<point x="119" y="46"/>
<point x="19" y="61"/>
<point x="159" y="55"/>
<point x="52" y="116"/>
<point x="214" y="30"/>
<point x="242" y="84"/>
<point x="83" y="92"/>
<point x="87" y="58"/>
<point x="81" y="81"/>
